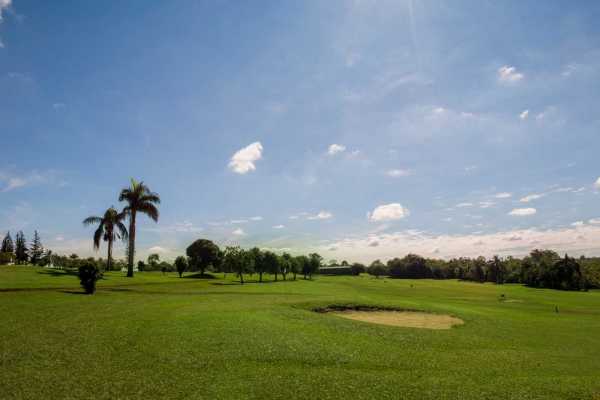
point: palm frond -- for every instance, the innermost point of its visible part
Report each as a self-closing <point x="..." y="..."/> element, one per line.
<point x="150" y="198"/>
<point x="98" y="236"/>
<point x="122" y="230"/>
<point x="92" y="220"/>
<point x="150" y="210"/>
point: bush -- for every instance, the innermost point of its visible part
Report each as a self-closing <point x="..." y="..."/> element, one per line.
<point x="6" y="258"/>
<point x="88" y="276"/>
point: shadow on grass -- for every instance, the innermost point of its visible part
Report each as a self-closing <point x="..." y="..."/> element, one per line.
<point x="58" y="272"/>
<point x="72" y="292"/>
<point x="199" y="276"/>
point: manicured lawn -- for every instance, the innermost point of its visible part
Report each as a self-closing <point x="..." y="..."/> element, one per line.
<point x="158" y="336"/>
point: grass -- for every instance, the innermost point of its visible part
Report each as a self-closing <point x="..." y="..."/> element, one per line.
<point x="158" y="336"/>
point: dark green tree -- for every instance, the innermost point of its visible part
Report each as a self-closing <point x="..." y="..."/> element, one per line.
<point x="271" y="263"/>
<point x="314" y="263"/>
<point x="89" y="274"/>
<point x="237" y="261"/>
<point x="259" y="262"/>
<point x="139" y="199"/>
<point x="7" y="244"/>
<point x="110" y="227"/>
<point x="21" y="250"/>
<point x="181" y="265"/>
<point x="37" y="250"/>
<point x="202" y="254"/>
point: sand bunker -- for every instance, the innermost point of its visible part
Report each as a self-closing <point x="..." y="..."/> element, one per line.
<point x="409" y="319"/>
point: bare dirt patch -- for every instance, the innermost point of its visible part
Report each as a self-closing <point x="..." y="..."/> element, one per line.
<point x="394" y="317"/>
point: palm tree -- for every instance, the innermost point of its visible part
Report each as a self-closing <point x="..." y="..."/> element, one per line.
<point x="110" y="227"/>
<point x="139" y="198"/>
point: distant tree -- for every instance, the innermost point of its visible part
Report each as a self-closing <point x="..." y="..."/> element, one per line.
<point x="344" y="263"/>
<point x="46" y="258"/>
<point x="377" y="268"/>
<point x="6" y="258"/>
<point x="140" y="199"/>
<point x="7" y="244"/>
<point x="37" y="250"/>
<point x="295" y="266"/>
<point x="258" y="258"/>
<point x="495" y="270"/>
<point x="181" y="265"/>
<point x="565" y="275"/>
<point x="153" y="261"/>
<point x="314" y="263"/>
<point x="21" y="250"/>
<point x="357" y="268"/>
<point x="271" y="262"/>
<point x="285" y="263"/>
<point x="202" y="254"/>
<point x="412" y="266"/>
<point x="89" y="274"/>
<point x="301" y="265"/>
<point x="141" y="266"/>
<point x="110" y="227"/>
<point x="237" y="261"/>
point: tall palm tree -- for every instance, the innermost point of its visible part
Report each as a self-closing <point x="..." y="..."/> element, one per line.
<point x="139" y="198"/>
<point x="110" y="227"/>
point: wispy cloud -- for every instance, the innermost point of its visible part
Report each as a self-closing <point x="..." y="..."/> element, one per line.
<point x="397" y="173"/>
<point x="509" y="74"/>
<point x="10" y="180"/>
<point x="503" y="195"/>
<point x="524" y="115"/>
<point x="238" y="232"/>
<point x="531" y="197"/>
<point x="522" y="212"/>
<point x="321" y="215"/>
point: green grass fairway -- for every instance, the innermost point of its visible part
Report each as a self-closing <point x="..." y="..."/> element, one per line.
<point x="158" y="336"/>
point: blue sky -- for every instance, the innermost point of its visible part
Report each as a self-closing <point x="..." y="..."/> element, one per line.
<point x="358" y="129"/>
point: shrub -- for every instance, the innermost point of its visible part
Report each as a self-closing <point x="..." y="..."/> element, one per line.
<point x="88" y="276"/>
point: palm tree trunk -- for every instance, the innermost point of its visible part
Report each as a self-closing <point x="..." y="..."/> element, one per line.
<point x="241" y="278"/>
<point x="109" y="261"/>
<point x="131" y="249"/>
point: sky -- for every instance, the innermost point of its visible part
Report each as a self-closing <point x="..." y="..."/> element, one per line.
<point x="357" y="129"/>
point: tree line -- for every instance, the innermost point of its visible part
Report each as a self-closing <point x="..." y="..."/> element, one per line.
<point x="541" y="269"/>
<point x="19" y="252"/>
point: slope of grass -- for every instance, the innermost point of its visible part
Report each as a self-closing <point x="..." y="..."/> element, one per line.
<point x="158" y="336"/>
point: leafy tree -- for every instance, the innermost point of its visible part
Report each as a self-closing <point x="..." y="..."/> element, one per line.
<point x="285" y="261"/>
<point x="237" y="261"/>
<point x="295" y="266"/>
<point x="202" y="254"/>
<point x="89" y="274"/>
<point x="412" y="266"/>
<point x="21" y="250"/>
<point x="110" y="227"/>
<point x="181" y="265"/>
<point x="377" y="268"/>
<point x="139" y="199"/>
<point x="300" y="265"/>
<point x="153" y="261"/>
<point x="495" y="270"/>
<point x="314" y="263"/>
<point x="6" y="258"/>
<point x="141" y="266"/>
<point x="7" y="244"/>
<point x="271" y="262"/>
<point x="357" y="268"/>
<point x="259" y="262"/>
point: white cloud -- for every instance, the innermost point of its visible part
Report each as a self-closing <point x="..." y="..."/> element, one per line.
<point x="321" y="215"/>
<point x="465" y="204"/>
<point x="11" y="181"/>
<point x="594" y="221"/>
<point x="278" y="226"/>
<point x="522" y="212"/>
<point x="4" y="4"/>
<point x="157" y="249"/>
<point x="486" y="204"/>
<point x="597" y="183"/>
<point x="578" y="223"/>
<point x="335" y="149"/>
<point x="238" y="232"/>
<point x="509" y="74"/>
<point x="257" y="218"/>
<point x="396" y="173"/>
<point x="514" y="242"/>
<point x="238" y="221"/>
<point x="531" y="197"/>
<point x="243" y="160"/>
<point x="388" y="212"/>
<point x="503" y="195"/>
<point x="524" y="115"/>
